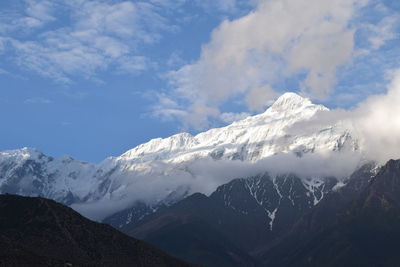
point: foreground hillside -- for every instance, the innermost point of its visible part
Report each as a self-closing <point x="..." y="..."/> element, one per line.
<point x="41" y="232"/>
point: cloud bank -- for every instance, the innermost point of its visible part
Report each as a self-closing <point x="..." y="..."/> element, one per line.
<point x="303" y="41"/>
<point x="205" y="175"/>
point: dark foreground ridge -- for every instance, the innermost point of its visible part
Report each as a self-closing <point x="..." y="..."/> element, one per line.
<point x="41" y="232"/>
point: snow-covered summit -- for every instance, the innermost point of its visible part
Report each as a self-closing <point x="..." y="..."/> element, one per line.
<point x="253" y="138"/>
<point x="290" y="101"/>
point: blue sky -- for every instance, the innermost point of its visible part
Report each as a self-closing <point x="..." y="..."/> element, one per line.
<point x="93" y="79"/>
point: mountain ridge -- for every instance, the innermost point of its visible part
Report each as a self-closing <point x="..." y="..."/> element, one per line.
<point x="173" y="164"/>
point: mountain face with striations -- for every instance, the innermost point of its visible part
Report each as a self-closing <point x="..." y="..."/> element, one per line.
<point x="362" y="230"/>
<point x="264" y="208"/>
<point x="356" y="223"/>
<point x="163" y="171"/>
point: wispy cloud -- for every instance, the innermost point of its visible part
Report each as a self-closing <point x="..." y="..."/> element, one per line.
<point x="100" y="36"/>
<point x="3" y="71"/>
<point x="226" y="6"/>
<point x="229" y="117"/>
<point x="167" y="109"/>
<point x="40" y="10"/>
<point x="38" y="100"/>
<point x="384" y="31"/>
<point x="65" y="39"/>
<point x="33" y="15"/>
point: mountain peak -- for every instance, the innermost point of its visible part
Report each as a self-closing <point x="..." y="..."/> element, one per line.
<point x="290" y="101"/>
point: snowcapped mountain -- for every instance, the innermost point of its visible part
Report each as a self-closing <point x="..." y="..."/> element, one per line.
<point x="163" y="171"/>
<point x="29" y="172"/>
<point x="250" y="139"/>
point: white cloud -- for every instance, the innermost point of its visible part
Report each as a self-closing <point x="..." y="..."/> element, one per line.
<point x="258" y="97"/>
<point x="35" y="14"/>
<point x="278" y="39"/>
<point x="38" y="100"/>
<point x="167" y="109"/>
<point x="377" y="122"/>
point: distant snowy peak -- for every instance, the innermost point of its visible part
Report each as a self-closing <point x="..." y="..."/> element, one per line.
<point x="21" y="154"/>
<point x="27" y="171"/>
<point x="32" y="154"/>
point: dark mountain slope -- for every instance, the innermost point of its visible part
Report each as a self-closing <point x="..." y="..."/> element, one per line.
<point x="41" y="232"/>
<point x="251" y="213"/>
<point x="188" y="230"/>
<point x="268" y="207"/>
<point x="259" y="216"/>
<point x="366" y="232"/>
<point x="328" y="208"/>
